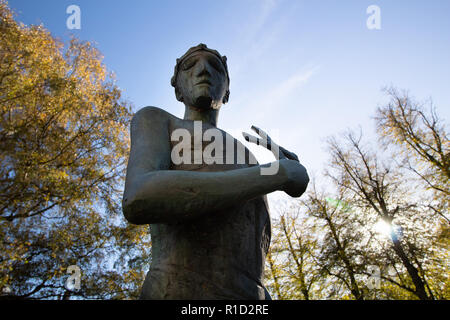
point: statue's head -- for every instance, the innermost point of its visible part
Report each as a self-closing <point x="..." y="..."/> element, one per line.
<point x="201" y="78"/>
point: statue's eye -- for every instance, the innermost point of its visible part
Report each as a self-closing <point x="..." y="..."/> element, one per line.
<point x="189" y="63"/>
<point x="216" y="64"/>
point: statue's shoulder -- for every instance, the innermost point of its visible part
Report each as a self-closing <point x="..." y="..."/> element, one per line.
<point x="151" y="114"/>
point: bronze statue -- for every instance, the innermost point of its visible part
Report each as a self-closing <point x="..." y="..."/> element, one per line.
<point x="209" y="222"/>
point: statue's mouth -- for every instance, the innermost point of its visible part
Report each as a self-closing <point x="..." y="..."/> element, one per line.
<point x="204" y="81"/>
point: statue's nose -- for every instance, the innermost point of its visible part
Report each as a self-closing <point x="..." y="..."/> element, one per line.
<point x="203" y="69"/>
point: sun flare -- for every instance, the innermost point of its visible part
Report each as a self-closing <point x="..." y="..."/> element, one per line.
<point x="384" y="228"/>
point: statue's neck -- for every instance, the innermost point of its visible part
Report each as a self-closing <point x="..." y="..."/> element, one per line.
<point x="209" y="116"/>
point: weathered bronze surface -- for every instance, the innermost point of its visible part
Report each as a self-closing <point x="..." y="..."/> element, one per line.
<point x="210" y="224"/>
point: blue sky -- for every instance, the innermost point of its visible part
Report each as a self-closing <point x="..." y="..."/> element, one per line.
<point x="301" y="70"/>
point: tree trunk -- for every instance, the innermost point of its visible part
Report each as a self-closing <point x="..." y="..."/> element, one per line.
<point x="412" y="271"/>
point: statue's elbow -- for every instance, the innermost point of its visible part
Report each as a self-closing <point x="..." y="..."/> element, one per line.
<point x="128" y="212"/>
<point x="139" y="212"/>
<point x="132" y="211"/>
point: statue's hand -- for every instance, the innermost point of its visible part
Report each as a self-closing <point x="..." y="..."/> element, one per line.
<point x="265" y="141"/>
<point x="294" y="173"/>
<point x="296" y="176"/>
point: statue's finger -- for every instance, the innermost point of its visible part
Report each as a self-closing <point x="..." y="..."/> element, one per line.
<point x="252" y="139"/>
<point x="279" y="154"/>
<point x="258" y="141"/>
<point x="278" y="151"/>
<point x="261" y="133"/>
<point x="288" y="154"/>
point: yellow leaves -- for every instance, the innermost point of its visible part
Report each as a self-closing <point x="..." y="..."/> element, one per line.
<point x="66" y="126"/>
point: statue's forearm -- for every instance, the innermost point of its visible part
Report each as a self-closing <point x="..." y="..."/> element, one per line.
<point x="171" y="196"/>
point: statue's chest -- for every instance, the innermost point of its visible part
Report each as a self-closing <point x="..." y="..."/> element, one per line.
<point x="200" y="147"/>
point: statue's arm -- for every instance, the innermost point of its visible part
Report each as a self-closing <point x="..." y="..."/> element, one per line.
<point x="155" y="194"/>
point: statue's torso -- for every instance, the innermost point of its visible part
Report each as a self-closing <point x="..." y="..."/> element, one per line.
<point x="218" y="256"/>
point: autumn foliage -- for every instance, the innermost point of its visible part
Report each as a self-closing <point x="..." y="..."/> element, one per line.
<point x="63" y="146"/>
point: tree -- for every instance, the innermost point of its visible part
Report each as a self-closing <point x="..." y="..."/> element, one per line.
<point x="376" y="187"/>
<point x="373" y="234"/>
<point x="341" y="235"/>
<point x="63" y="142"/>
<point x="422" y="140"/>
<point x="291" y="271"/>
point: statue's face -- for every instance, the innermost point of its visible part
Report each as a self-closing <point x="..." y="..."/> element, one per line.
<point x="202" y="81"/>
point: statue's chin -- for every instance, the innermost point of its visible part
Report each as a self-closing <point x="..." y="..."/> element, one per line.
<point x="204" y="103"/>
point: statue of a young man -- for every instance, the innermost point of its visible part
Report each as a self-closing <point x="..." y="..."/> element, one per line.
<point x="210" y="224"/>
